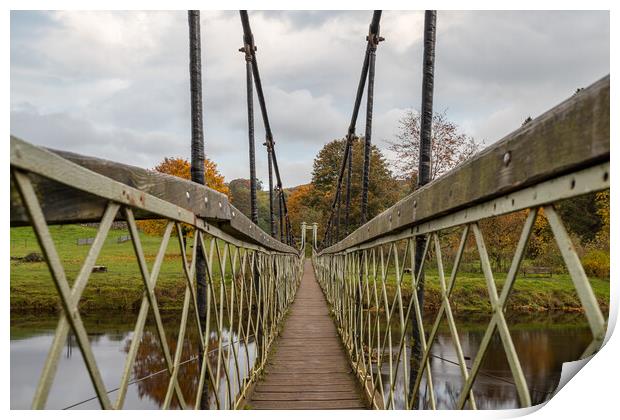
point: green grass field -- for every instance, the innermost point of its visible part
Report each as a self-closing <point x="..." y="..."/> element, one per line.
<point x="120" y="288"/>
<point x="531" y="294"/>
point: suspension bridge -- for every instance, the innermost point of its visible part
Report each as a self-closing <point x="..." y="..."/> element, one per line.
<point x="277" y="329"/>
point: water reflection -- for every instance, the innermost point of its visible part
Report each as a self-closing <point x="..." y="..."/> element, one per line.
<point x="541" y="349"/>
<point x="149" y="376"/>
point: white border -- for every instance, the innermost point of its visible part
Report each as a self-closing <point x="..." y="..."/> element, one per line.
<point x="592" y="394"/>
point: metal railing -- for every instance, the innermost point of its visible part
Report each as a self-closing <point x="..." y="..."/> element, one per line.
<point x="562" y="154"/>
<point x="251" y="278"/>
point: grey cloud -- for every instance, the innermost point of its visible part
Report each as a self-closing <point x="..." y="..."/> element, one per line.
<point x="115" y="84"/>
<point x="65" y="132"/>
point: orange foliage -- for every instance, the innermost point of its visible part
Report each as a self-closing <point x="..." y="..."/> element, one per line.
<point x="181" y="168"/>
<point x="501" y="234"/>
<point x="302" y="207"/>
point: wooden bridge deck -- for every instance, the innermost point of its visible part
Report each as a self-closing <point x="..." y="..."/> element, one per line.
<point x="308" y="368"/>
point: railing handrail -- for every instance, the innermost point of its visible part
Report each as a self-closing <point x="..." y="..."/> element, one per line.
<point x="183" y="200"/>
<point x="571" y="136"/>
<point x="249" y="282"/>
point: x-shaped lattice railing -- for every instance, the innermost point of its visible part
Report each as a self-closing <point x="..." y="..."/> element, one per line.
<point x="248" y="291"/>
<point x="364" y="287"/>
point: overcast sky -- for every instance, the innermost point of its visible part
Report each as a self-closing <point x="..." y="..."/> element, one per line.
<point x="116" y="84"/>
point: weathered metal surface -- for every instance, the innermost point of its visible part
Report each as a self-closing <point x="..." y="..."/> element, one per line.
<point x="76" y="189"/>
<point x="424" y="163"/>
<point x="373" y="323"/>
<point x="571" y="136"/>
<point x="562" y="154"/>
<point x="249" y="285"/>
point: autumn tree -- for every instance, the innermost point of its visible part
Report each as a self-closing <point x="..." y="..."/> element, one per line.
<point x="501" y="234"/>
<point x="449" y="147"/>
<point x="596" y="260"/>
<point x="603" y="211"/>
<point x="383" y="190"/>
<point x="302" y="207"/>
<point x="180" y="167"/>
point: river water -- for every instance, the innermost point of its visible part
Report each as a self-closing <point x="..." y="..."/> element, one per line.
<point x="542" y="348"/>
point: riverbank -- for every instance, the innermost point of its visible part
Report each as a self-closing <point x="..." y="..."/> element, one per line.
<point x="120" y="288"/>
<point x="529" y="294"/>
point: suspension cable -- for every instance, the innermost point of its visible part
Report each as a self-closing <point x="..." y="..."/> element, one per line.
<point x="248" y="38"/>
<point x="371" y="39"/>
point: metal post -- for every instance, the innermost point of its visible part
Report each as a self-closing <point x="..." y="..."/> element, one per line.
<point x="373" y="42"/>
<point x="197" y="163"/>
<point x="247" y="48"/>
<point x="338" y="196"/>
<point x="272" y="223"/>
<point x="289" y="233"/>
<point x="281" y="220"/>
<point x="424" y="171"/>
<point x="348" y="203"/>
<point x="314" y="234"/>
<point x="303" y="235"/>
<point x="198" y="157"/>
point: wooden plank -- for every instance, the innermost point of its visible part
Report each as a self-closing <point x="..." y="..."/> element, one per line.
<point x="266" y="387"/>
<point x="307" y="405"/>
<point x="309" y="368"/>
<point x="315" y="369"/>
<point x="290" y="355"/>
<point x="571" y="136"/>
<point x="314" y="348"/>
<point x="74" y="189"/>
<point x="200" y="200"/>
<point x="305" y="396"/>
<point x="315" y="383"/>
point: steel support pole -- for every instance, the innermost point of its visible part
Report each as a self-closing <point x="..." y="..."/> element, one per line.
<point x="197" y="164"/>
<point x="303" y="236"/>
<point x="424" y="174"/>
<point x="339" y="198"/>
<point x="374" y="40"/>
<point x="247" y="48"/>
<point x="272" y="223"/>
<point x="314" y="234"/>
<point x="348" y="201"/>
<point x="280" y="218"/>
<point x="197" y="145"/>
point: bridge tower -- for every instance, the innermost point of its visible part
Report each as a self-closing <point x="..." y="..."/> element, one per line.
<point x="303" y="235"/>
<point x="304" y="228"/>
